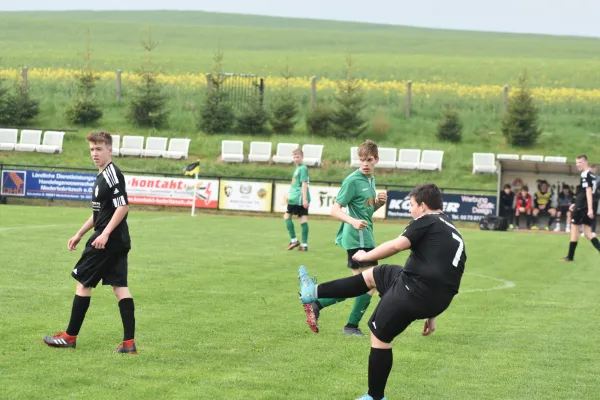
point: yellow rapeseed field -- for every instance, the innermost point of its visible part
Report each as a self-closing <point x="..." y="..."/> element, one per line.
<point x="427" y="89"/>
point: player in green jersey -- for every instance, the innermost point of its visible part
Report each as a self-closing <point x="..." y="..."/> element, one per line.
<point x="298" y="201"/>
<point x="360" y="199"/>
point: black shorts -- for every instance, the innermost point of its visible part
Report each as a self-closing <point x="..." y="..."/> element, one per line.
<point x="580" y="217"/>
<point x="355" y="264"/>
<point x="297" y="210"/>
<point x="563" y="210"/>
<point x="398" y="307"/>
<point x="108" y="264"/>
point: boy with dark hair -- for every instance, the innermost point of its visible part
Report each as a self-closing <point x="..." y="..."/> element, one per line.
<point x="298" y="202"/>
<point x="359" y="196"/>
<point x="105" y="254"/>
<point x="423" y="289"/>
<point x="564" y="201"/>
<point x="507" y="205"/>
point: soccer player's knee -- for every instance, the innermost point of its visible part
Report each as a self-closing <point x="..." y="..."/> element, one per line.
<point x="378" y="344"/>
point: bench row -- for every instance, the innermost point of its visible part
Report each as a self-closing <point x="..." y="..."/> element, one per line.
<point x="177" y="148"/>
<point x="31" y="140"/>
<point x="233" y="151"/>
<point x="426" y="160"/>
<point x="485" y="163"/>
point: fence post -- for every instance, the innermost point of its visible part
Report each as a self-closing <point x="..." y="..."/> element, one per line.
<point x="24" y="81"/>
<point x="505" y="99"/>
<point x="261" y="91"/>
<point x="313" y="92"/>
<point x="408" y="98"/>
<point x="118" y="86"/>
<point x="208" y="82"/>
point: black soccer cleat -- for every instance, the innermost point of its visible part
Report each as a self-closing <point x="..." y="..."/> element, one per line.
<point x="303" y="248"/>
<point x="61" y="340"/>
<point x="352" y="331"/>
<point x="127" y="347"/>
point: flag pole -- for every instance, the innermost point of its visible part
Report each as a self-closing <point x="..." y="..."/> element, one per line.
<point x="194" y="195"/>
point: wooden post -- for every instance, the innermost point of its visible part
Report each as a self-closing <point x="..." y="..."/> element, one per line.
<point x="208" y="82"/>
<point x="24" y="81"/>
<point x="313" y="92"/>
<point x="118" y="86"/>
<point x="408" y="98"/>
<point x="505" y="99"/>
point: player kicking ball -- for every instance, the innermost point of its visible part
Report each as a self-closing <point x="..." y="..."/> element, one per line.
<point x="422" y="289"/>
<point x="105" y="254"/>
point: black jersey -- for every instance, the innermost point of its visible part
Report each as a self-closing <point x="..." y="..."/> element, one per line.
<point x="109" y="194"/>
<point x="588" y="180"/>
<point x="507" y="201"/>
<point x="437" y="258"/>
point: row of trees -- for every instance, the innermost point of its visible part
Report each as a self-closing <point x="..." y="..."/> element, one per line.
<point x="343" y="118"/>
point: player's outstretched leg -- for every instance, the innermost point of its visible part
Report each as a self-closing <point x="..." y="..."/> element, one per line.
<point x="81" y="303"/>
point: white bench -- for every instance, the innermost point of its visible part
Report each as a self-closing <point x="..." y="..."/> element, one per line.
<point x="178" y="148"/>
<point x="29" y="140"/>
<point x="408" y="158"/>
<point x="555" y="159"/>
<point x="232" y="150"/>
<point x="132" y="146"/>
<point x="484" y="163"/>
<point x="116" y="143"/>
<point x="8" y="139"/>
<point x="284" y="153"/>
<point x="155" y="146"/>
<point x="313" y="153"/>
<point x="507" y="157"/>
<point x="354" y="160"/>
<point x="387" y="158"/>
<point x="52" y="143"/>
<point x="431" y="160"/>
<point x="529" y="157"/>
<point x="259" y="152"/>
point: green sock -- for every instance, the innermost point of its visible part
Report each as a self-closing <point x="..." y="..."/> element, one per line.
<point x="290" y="227"/>
<point x="328" y="302"/>
<point x="361" y="303"/>
<point x="304" y="232"/>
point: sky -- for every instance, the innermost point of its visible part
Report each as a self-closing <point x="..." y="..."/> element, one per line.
<point x="555" y="17"/>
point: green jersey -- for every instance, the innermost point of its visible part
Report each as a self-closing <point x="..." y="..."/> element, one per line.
<point x="359" y="197"/>
<point x="295" y="195"/>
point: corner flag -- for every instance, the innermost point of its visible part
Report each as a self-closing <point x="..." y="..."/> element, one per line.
<point x="192" y="169"/>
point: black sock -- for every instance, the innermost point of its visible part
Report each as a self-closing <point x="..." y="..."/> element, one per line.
<point x="344" y="288"/>
<point x="128" y="317"/>
<point x="80" y="307"/>
<point x="572" y="247"/>
<point x="534" y="220"/>
<point x="380" y="365"/>
<point x="517" y="220"/>
<point x="596" y="243"/>
<point x="529" y="221"/>
<point x="551" y="221"/>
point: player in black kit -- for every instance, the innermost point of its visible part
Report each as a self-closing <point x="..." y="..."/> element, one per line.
<point x="422" y="289"/>
<point x="583" y="211"/>
<point x="105" y="254"/>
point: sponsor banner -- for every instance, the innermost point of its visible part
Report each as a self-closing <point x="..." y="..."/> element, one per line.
<point x="48" y="184"/>
<point x="321" y="199"/>
<point x="170" y="191"/>
<point x="245" y="195"/>
<point x="459" y="207"/>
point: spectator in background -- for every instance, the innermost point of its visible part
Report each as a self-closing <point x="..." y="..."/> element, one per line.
<point x="507" y="204"/>
<point x="524" y="205"/>
<point x="543" y="205"/>
<point x="565" y="199"/>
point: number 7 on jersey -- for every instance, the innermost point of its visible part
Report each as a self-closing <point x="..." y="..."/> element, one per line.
<point x="461" y="246"/>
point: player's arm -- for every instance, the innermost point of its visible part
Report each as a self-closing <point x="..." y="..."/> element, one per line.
<point x="305" y="194"/>
<point x="340" y="215"/>
<point x="89" y="224"/>
<point x="589" y="196"/>
<point x="384" y="250"/>
<point x="381" y="200"/>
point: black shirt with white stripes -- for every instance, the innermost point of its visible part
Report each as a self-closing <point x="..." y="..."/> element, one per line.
<point x="109" y="194"/>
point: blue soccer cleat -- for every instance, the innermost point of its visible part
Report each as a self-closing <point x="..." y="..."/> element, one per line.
<point x="366" y="396"/>
<point x="308" y="287"/>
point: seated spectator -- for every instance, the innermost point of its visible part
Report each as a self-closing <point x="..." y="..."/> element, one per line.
<point x="565" y="199"/>
<point x="542" y="204"/>
<point x="507" y="205"/>
<point x="524" y="205"/>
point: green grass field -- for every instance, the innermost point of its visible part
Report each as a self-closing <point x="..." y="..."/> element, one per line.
<point x="264" y="45"/>
<point x="218" y="316"/>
